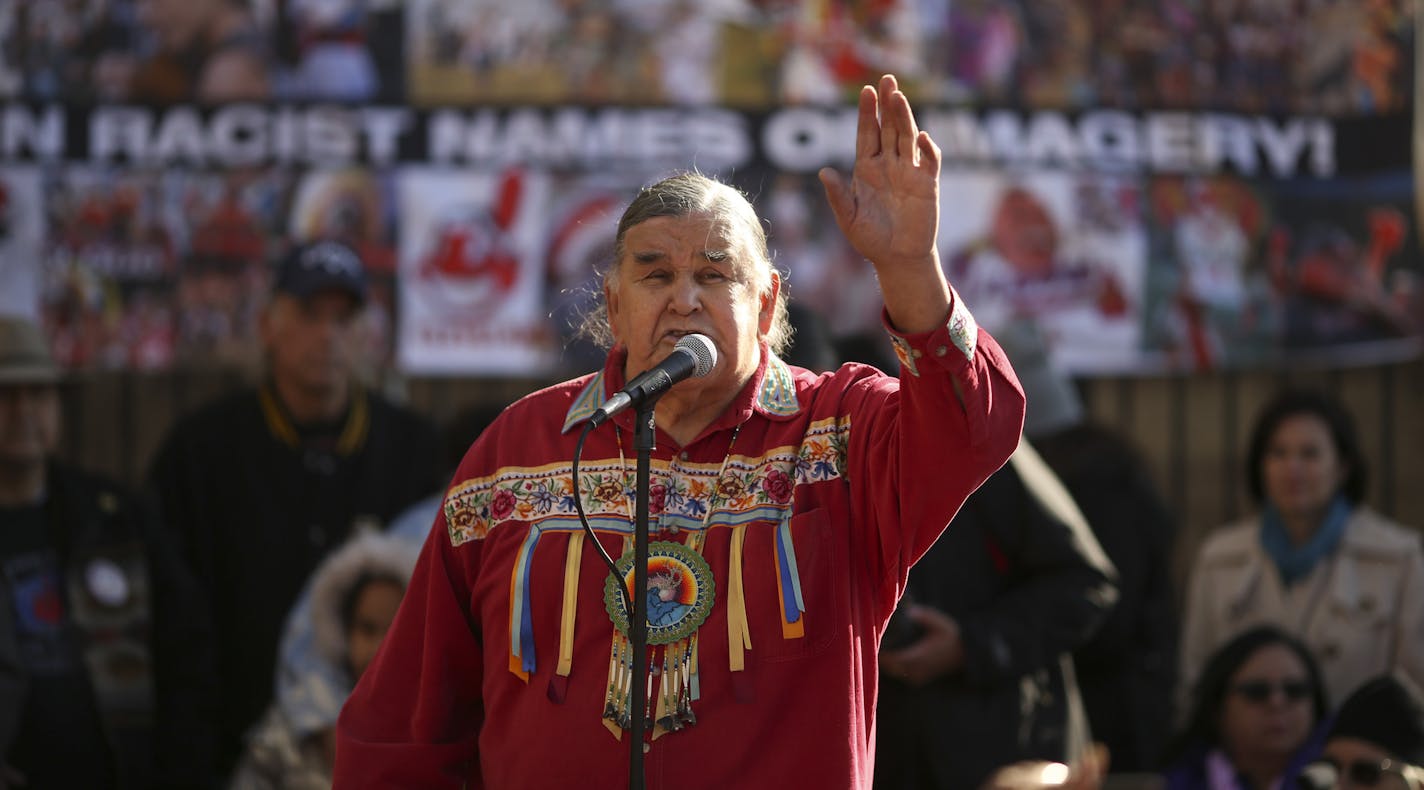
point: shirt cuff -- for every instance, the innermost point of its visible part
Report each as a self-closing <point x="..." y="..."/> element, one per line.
<point x="960" y="331"/>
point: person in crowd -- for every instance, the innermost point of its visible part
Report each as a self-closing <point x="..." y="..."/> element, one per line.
<point x="787" y="510"/>
<point x="263" y="483"/>
<point x="100" y="643"/>
<point x="311" y="687"/>
<point x="1127" y="669"/>
<point x="354" y="595"/>
<point x="1315" y="560"/>
<point x="208" y="51"/>
<point x="1016" y="582"/>
<point x="1375" y="741"/>
<point x="1255" y="716"/>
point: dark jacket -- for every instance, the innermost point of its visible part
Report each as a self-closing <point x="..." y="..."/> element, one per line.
<point x="1190" y="771"/>
<point x="1026" y="587"/>
<point x="1127" y="671"/>
<point x="256" y="504"/>
<point x="141" y="634"/>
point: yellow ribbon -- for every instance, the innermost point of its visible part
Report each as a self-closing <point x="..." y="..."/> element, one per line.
<point x="572" y="561"/>
<point x="739" y="636"/>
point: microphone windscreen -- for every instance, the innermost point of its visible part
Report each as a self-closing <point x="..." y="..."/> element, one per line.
<point x="702" y="350"/>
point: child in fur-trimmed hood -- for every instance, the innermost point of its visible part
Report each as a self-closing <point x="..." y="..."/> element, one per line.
<point x="354" y="595"/>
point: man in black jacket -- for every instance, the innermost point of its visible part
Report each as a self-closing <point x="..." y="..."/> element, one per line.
<point x="99" y="640"/>
<point x="1127" y="671"/>
<point x="977" y="674"/>
<point x="260" y="485"/>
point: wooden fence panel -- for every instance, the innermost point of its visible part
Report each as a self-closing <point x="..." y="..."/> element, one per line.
<point x="1192" y="430"/>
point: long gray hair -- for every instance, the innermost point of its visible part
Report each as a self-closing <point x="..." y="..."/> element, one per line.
<point x="687" y="194"/>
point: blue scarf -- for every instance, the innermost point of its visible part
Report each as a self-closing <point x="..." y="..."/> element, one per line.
<point x="1296" y="562"/>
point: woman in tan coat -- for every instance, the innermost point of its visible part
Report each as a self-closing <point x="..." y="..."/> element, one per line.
<point x="1314" y="560"/>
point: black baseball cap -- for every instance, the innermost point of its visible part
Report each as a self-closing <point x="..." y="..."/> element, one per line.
<point x="1388" y="712"/>
<point x="321" y="266"/>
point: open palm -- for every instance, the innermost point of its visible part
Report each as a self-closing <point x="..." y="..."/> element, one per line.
<point x="889" y="210"/>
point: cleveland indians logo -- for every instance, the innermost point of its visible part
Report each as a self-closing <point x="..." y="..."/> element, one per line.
<point x="474" y="261"/>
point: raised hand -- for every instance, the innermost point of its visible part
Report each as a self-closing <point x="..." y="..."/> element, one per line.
<point x="889" y="209"/>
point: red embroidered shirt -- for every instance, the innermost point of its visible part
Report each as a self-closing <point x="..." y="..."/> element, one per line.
<point x="836" y="483"/>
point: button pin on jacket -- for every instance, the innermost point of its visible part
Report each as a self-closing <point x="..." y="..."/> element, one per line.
<point x="106" y="582"/>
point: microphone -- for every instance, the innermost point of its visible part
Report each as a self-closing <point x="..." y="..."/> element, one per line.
<point x="693" y="356"/>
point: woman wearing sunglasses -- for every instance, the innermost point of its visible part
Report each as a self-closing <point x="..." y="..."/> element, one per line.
<point x="1314" y="560"/>
<point x="1376" y="741"/>
<point x="1254" y="718"/>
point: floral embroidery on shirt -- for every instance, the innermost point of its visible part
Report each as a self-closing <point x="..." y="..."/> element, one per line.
<point x="587" y="402"/>
<point x="907" y="354"/>
<point x="963" y="329"/>
<point x="778" y="389"/>
<point x="748" y="489"/>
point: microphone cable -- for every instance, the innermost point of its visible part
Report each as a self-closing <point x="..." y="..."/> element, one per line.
<point x="587" y="528"/>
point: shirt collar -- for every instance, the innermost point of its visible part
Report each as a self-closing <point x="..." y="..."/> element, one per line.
<point x="771" y="391"/>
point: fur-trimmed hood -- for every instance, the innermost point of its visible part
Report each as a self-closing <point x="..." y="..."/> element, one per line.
<point x="366" y="553"/>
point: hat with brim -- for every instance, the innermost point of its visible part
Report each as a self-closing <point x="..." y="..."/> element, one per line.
<point x="24" y="353"/>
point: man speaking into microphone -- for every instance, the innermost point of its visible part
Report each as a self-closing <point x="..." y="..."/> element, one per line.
<point x="786" y="509"/>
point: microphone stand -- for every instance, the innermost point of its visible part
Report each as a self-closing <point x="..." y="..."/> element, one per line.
<point x="644" y="442"/>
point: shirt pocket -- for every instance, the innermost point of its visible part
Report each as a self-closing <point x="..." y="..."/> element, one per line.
<point x="793" y="572"/>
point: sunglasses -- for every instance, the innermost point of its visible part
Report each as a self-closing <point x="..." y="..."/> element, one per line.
<point x="1261" y="691"/>
<point x="1327" y="775"/>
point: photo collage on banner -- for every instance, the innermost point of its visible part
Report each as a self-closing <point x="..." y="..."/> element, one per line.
<point x="1305" y="270"/>
<point x="147" y="268"/>
<point x="1062" y="251"/>
<point x="205" y="51"/>
<point x="1154" y="187"/>
<point x="22" y="231"/>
